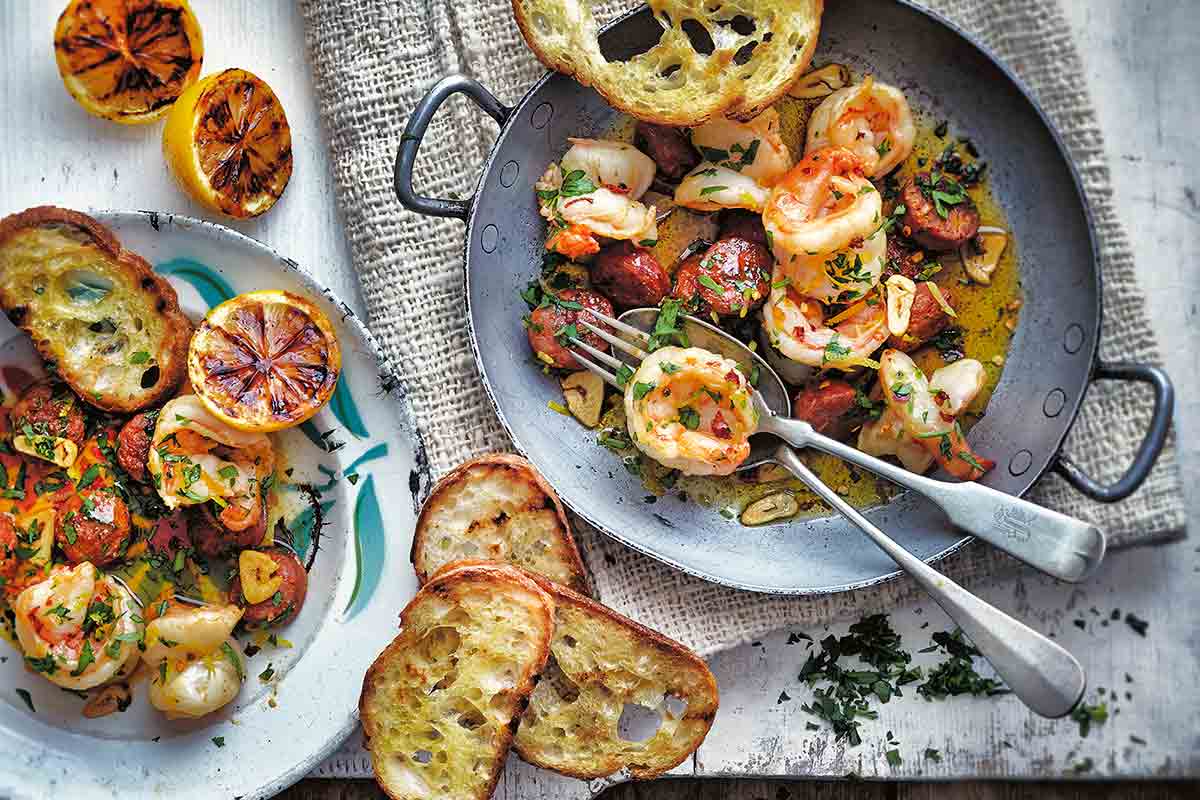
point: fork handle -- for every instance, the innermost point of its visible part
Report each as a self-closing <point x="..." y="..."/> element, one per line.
<point x="1042" y="674"/>
<point x="1061" y="546"/>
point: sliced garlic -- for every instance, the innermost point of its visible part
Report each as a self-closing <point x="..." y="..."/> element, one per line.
<point x="584" y="393"/>
<point x="770" y="508"/>
<point x="981" y="266"/>
<point x="260" y="576"/>
<point x="769" y="473"/>
<point x="54" y="449"/>
<point x="42" y="522"/>
<point x="821" y="82"/>
<point x="900" y="294"/>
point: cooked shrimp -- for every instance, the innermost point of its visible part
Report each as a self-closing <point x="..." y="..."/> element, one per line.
<point x="797" y="328"/>
<point x="754" y="149"/>
<point x="618" y="166"/>
<point x="78" y="628"/>
<point x="954" y="386"/>
<point x="871" y="119"/>
<point x="690" y="410"/>
<point x="579" y="210"/>
<point x="823" y="220"/>
<point x="195" y="457"/>
<point x="925" y="413"/>
<point x="710" y="188"/>
<point x="887" y="436"/>
<point x="194" y="660"/>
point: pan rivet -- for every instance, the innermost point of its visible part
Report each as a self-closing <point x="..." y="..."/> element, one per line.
<point x="1020" y="462"/>
<point x="541" y="116"/>
<point x="1054" y="403"/>
<point x="1073" y="338"/>
<point x="489" y="237"/>
<point x="509" y="173"/>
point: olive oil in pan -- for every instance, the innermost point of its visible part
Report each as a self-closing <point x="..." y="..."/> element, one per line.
<point x="987" y="316"/>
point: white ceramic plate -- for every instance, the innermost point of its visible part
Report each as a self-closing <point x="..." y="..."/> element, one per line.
<point x="358" y="582"/>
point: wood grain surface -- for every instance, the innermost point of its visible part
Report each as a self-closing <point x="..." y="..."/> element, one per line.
<point x="741" y="789"/>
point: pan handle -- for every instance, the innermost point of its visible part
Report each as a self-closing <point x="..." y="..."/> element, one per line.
<point x="1148" y="450"/>
<point x="414" y="132"/>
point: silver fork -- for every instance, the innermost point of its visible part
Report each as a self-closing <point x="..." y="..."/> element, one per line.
<point x="1060" y="546"/>
<point x="1043" y="675"/>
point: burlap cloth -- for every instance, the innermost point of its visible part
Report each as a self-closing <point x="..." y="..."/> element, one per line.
<point x="373" y="59"/>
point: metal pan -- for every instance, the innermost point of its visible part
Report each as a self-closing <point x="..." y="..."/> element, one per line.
<point x="1052" y="360"/>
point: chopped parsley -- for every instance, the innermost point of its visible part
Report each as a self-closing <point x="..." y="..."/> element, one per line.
<point x="219" y="741"/>
<point x="689" y="418"/>
<point x="1087" y="715"/>
<point x="640" y="389"/>
<point x="576" y="183"/>
<point x="712" y="189"/>
<point x="24" y="695"/>
<point x="834" y="351"/>
<point x="140" y="357"/>
<point x="956" y="675"/>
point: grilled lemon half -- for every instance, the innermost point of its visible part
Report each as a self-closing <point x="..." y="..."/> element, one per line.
<point x="228" y="143"/>
<point x="128" y="60"/>
<point x="264" y="361"/>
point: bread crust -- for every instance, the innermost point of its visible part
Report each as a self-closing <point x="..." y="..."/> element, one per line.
<point x="705" y="712"/>
<point x="527" y="472"/>
<point x="173" y="357"/>
<point x="737" y="108"/>
<point x="443" y="585"/>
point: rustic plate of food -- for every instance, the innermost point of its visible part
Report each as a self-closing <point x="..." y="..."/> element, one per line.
<point x="191" y="571"/>
<point x="905" y="204"/>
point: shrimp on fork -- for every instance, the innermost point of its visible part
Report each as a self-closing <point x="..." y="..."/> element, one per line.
<point x="690" y="409"/>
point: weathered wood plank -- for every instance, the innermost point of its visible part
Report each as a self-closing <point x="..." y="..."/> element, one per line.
<point x="726" y="789"/>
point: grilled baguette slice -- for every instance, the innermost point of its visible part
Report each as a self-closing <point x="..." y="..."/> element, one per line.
<point x="600" y="661"/>
<point x="498" y="508"/>
<point x="440" y="704"/>
<point x="98" y="312"/>
<point x="562" y="33"/>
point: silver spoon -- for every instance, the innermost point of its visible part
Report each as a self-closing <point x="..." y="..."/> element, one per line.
<point x="1060" y="546"/>
<point x="1043" y="675"/>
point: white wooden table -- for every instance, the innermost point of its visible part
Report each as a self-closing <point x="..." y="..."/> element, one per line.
<point x="1142" y="65"/>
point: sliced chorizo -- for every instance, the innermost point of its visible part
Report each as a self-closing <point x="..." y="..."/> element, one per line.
<point x="926" y="321"/>
<point x="133" y="444"/>
<point x="93" y="526"/>
<point x="959" y="218"/>
<point x="212" y="538"/>
<point x="668" y="147"/>
<point x="285" y="604"/>
<point x="829" y="406"/>
<point x="562" y="310"/>
<point x="730" y="277"/>
<point x="630" y="276"/>
<point x="50" y="409"/>
<point x="744" y="225"/>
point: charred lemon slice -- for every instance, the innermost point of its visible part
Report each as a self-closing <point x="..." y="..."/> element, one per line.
<point x="264" y="361"/>
<point x="128" y="60"/>
<point x="228" y="143"/>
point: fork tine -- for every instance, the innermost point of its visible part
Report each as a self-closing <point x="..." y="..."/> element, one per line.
<point x="615" y="341"/>
<point x="596" y="369"/>
<point x="639" y="336"/>
<point x="599" y="355"/>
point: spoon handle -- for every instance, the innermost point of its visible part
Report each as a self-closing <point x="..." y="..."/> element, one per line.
<point x="1061" y="546"/>
<point x="1042" y="674"/>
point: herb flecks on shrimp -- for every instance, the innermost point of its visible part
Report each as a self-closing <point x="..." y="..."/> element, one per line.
<point x="690" y="409"/>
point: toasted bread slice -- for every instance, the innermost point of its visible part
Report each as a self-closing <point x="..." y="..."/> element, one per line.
<point x="440" y="704"/>
<point x="600" y="662"/>
<point x="99" y="313"/>
<point x="497" y="508"/>
<point x="673" y="83"/>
